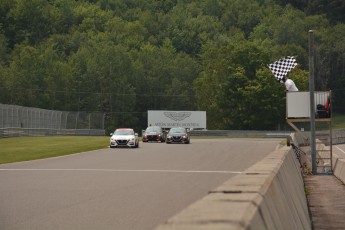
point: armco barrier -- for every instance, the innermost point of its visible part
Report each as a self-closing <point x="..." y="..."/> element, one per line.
<point x="268" y="195"/>
<point x="338" y="136"/>
<point x="241" y="133"/>
<point x="24" y="132"/>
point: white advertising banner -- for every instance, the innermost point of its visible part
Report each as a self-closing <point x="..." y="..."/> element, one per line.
<point x="169" y="119"/>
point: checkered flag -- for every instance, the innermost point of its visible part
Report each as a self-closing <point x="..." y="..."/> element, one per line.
<point x="282" y="67"/>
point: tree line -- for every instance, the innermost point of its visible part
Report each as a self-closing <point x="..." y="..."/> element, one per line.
<point x="126" y="57"/>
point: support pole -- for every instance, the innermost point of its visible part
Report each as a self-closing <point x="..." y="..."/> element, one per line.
<point x="312" y="104"/>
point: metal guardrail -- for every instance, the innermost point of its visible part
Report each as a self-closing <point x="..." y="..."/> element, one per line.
<point x="22" y="132"/>
<point x="241" y="133"/>
<point x="338" y="136"/>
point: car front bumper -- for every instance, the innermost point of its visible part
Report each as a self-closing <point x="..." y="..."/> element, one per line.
<point x="122" y="143"/>
<point x="177" y="139"/>
<point x="147" y="138"/>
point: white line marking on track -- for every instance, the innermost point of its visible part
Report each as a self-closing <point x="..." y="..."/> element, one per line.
<point x="340" y="149"/>
<point x="124" y="170"/>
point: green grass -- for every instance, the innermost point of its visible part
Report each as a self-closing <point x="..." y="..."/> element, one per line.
<point x="338" y="121"/>
<point x="17" y="149"/>
<point x="30" y="148"/>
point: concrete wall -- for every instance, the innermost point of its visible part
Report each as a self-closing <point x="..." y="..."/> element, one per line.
<point x="339" y="167"/>
<point x="268" y="195"/>
<point x="338" y="163"/>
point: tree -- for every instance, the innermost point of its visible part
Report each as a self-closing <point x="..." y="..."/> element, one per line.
<point x="125" y="57"/>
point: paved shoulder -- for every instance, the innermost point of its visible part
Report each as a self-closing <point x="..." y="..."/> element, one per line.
<point x="326" y="197"/>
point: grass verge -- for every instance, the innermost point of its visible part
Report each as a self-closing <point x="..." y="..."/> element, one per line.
<point x="338" y="121"/>
<point x="31" y="148"/>
<point x="17" y="149"/>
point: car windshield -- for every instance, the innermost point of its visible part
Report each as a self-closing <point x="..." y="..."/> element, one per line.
<point x="153" y="129"/>
<point x="124" y="132"/>
<point x="177" y="130"/>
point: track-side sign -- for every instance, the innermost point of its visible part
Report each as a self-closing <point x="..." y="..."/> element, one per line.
<point x="169" y="119"/>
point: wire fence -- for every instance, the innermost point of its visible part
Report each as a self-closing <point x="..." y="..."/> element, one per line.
<point x="26" y="121"/>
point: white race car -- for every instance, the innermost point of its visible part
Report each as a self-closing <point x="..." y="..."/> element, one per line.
<point x="124" y="137"/>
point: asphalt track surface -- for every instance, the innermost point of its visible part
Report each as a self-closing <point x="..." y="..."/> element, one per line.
<point x="339" y="150"/>
<point x="134" y="189"/>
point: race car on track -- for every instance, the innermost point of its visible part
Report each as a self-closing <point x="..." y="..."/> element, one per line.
<point x="124" y="137"/>
<point x="178" y="135"/>
<point x="154" y="133"/>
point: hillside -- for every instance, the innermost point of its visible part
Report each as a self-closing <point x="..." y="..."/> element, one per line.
<point x="126" y="57"/>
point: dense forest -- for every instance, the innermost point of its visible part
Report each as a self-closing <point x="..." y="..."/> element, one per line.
<point x="124" y="57"/>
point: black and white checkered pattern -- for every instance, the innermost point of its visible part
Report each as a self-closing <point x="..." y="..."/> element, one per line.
<point x="282" y="67"/>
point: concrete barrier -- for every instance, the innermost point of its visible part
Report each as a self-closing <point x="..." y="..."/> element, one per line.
<point x="339" y="163"/>
<point x="339" y="167"/>
<point x="268" y="195"/>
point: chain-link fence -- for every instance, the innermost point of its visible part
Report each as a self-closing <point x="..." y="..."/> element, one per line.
<point x="25" y="121"/>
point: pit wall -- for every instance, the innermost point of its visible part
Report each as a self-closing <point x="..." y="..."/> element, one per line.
<point x="268" y="195"/>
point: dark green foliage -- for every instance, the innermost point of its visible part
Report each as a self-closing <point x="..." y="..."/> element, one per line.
<point x="126" y="57"/>
<point x="334" y="9"/>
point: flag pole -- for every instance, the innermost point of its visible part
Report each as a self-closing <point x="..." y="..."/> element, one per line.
<point x="312" y="104"/>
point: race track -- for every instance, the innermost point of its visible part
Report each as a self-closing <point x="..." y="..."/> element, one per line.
<point x="134" y="189"/>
